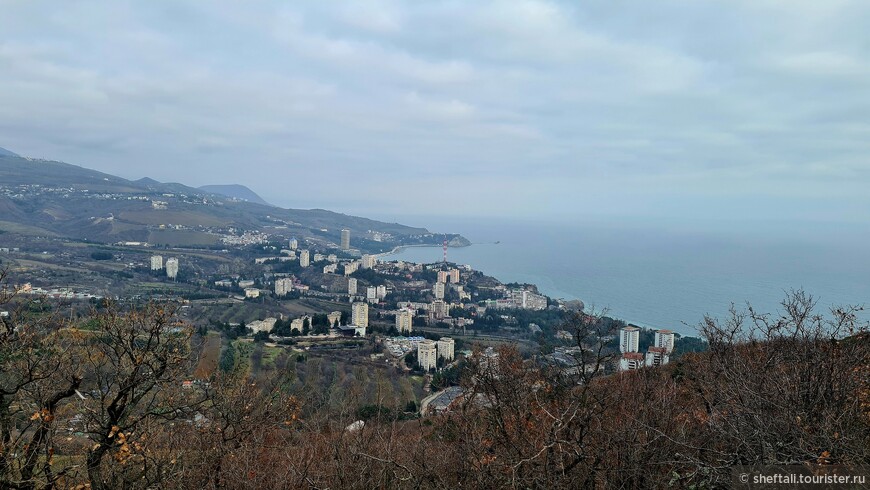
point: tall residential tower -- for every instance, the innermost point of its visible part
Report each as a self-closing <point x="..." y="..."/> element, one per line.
<point x="156" y="262"/>
<point x="359" y="314"/>
<point x="404" y="320"/>
<point x="345" y="239"/>
<point x="629" y="338"/>
<point x="172" y="268"/>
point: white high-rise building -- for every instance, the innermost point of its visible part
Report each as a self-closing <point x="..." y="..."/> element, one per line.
<point x="283" y="286"/>
<point x="351" y="286"/>
<point x="445" y="348"/>
<point x="294" y="244"/>
<point x="439" y="309"/>
<point x="368" y="261"/>
<point x="404" y="320"/>
<point x="442" y="276"/>
<point x="629" y="337"/>
<point x="172" y="268"/>
<point x="371" y="294"/>
<point x="453" y="275"/>
<point x="156" y="262"/>
<point x="359" y="314"/>
<point x="345" y="239"/>
<point x="438" y="290"/>
<point x="427" y="356"/>
<point x="304" y="258"/>
<point x="381" y="291"/>
<point x="351" y="267"/>
<point x="665" y="338"/>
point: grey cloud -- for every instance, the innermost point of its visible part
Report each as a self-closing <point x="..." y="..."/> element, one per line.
<point x="555" y="104"/>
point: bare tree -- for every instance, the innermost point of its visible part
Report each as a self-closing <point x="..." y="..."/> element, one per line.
<point x="136" y="362"/>
<point x="36" y="378"/>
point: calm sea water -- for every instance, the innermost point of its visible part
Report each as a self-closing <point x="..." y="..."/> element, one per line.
<point x="665" y="277"/>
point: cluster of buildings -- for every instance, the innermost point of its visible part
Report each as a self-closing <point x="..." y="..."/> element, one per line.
<point x="519" y="298"/>
<point x="306" y="258"/>
<point x="451" y="276"/>
<point x="29" y="191"/>
<point x="375" y="293"/>
<point x="429" y="351"/>
<point x="283" y="286"/>
<point x="436" y="311"/>
<point x="299" y="324"/>
<point x="657" y="354"/>
<point x="246" y="238"/>
<point x="55" y="293"/>
<point x="399" y="346"/>
<point x="171" y="265"/>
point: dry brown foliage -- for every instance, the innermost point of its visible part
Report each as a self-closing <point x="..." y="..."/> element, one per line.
<point x="786" y="389"/>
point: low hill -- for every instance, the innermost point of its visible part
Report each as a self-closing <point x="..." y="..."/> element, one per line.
<point x="235" y="191"/>
<point x="6" y="153"/>
<point x="43" y="197"/>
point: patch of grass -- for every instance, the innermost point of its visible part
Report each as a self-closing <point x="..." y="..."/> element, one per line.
<point x="8" y="226"/>
<point x="270" y="354"/>
<point x="165" y="217"/>
<point x="181" y="238"/>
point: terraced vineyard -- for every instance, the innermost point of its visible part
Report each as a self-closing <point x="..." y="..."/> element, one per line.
<point x="208" y="357"/>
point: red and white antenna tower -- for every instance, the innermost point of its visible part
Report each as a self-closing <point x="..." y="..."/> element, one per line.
<point x="445" y="251"/>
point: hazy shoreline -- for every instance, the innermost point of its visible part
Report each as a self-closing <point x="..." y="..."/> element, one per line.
<point x="543" y="290"/>
<point x="400" y="248"/>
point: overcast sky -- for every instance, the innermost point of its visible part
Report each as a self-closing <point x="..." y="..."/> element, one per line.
<point x="756" y="109"/>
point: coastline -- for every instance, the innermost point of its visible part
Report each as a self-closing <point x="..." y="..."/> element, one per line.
<point x="400" y="248"/>
<point x="690" y="331"/>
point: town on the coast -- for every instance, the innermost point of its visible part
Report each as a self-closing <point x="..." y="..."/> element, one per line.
<point x="268" y="295"/>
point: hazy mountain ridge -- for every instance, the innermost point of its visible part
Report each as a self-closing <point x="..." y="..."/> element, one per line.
<point x="82" y="203"/>
<point x="236" y="191"/>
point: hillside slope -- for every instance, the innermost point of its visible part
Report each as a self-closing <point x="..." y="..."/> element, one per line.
<point x="56" y="198"/>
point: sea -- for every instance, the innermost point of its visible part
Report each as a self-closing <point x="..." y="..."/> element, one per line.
<point x="664" y="275"/>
